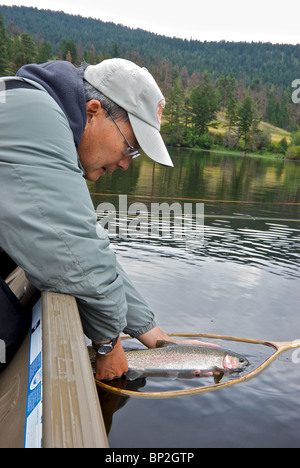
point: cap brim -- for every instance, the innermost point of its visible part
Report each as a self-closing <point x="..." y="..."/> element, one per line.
<point x="150" y="140"/>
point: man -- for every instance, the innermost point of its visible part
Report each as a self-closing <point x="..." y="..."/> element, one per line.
<point x="59" y="123"/>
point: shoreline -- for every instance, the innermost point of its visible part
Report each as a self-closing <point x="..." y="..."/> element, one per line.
<point x="241" y="154"/>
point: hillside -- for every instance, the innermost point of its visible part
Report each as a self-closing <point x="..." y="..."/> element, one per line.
<point x="204" y="83"/>
<point x="272" y="64"/>
<point x="276" y="134"/>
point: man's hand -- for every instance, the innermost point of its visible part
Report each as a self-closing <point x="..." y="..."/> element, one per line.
<point x="150" y="339"/>
<point x="111" y="365"/>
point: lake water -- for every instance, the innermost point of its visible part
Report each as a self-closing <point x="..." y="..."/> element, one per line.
<point x="242" y="279"/>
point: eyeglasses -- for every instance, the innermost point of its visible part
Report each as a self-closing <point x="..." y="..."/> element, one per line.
<point x="130" y="151"/>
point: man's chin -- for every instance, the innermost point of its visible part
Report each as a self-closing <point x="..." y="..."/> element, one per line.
<point x="94" y="176"/>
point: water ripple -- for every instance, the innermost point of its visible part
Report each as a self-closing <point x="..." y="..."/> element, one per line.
<point x="265" y="245"/>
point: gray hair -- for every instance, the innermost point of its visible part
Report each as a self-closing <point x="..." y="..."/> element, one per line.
<point x="91" y="93"/>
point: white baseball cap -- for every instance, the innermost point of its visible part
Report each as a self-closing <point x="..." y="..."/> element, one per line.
<point x="134" y="89"/>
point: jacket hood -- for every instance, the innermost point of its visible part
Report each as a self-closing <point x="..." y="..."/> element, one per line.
<point x="64" y="83"/>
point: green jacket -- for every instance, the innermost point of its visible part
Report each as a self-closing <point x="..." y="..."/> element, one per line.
<point x="48" y="224"/>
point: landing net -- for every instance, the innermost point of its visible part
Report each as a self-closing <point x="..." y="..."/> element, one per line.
<point x="278" y="346"/>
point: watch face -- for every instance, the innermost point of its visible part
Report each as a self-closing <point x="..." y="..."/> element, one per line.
<point x="105" y="349"/>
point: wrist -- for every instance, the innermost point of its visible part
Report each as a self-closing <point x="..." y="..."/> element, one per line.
<point x="151" y="337"/>
<point x="105" y="347"/>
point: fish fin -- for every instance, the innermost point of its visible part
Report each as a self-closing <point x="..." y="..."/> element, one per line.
<point x="173" y="375"/>
<point x="218" y="377"/>
<point x="132" y="374"/>
<point x="164" y="344"/>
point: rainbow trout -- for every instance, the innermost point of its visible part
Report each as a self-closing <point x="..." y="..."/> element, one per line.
<point x="172" y="359"/>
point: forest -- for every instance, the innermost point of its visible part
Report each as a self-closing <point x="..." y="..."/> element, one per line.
<point x="219" y="94"/>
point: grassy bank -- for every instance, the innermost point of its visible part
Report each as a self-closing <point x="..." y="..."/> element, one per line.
<point x="273" y="142"/>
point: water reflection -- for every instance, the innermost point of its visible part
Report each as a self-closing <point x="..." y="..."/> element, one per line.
<point x="251" y="207"/>
<point x="227" y="184"/>
<point x="243" y="280"/>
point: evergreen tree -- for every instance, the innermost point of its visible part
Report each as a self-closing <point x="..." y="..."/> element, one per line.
<point x="44" y="52"/>
<point x="225" y="90"/>
<point x="203" y="105"/>
<point x="283" y="146"/>
<point x="271" y="110"/>
<point x="174" y="114"/>
<point x="231" y="113"/>
<point x="282" y="114"/>
<point x="246" y="120"/>
<point x="4" y="48"/>
<point x="24" y="51"/>
<point x="184" y="76"/>
<point x="193" y="98"/>
<point x="116" y="52"/>
<point x="270" y="64"/>
<point x="231" y="136"/>
<point x="68" y="48"/>
<point x="29" y="48"/>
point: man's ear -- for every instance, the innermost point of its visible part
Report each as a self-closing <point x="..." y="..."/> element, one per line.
<point x="94" y="109"/>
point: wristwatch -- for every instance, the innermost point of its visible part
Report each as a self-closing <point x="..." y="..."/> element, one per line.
<point x="106" y="348"/>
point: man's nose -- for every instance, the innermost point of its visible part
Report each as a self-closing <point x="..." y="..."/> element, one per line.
<point x="124" y="163"/>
